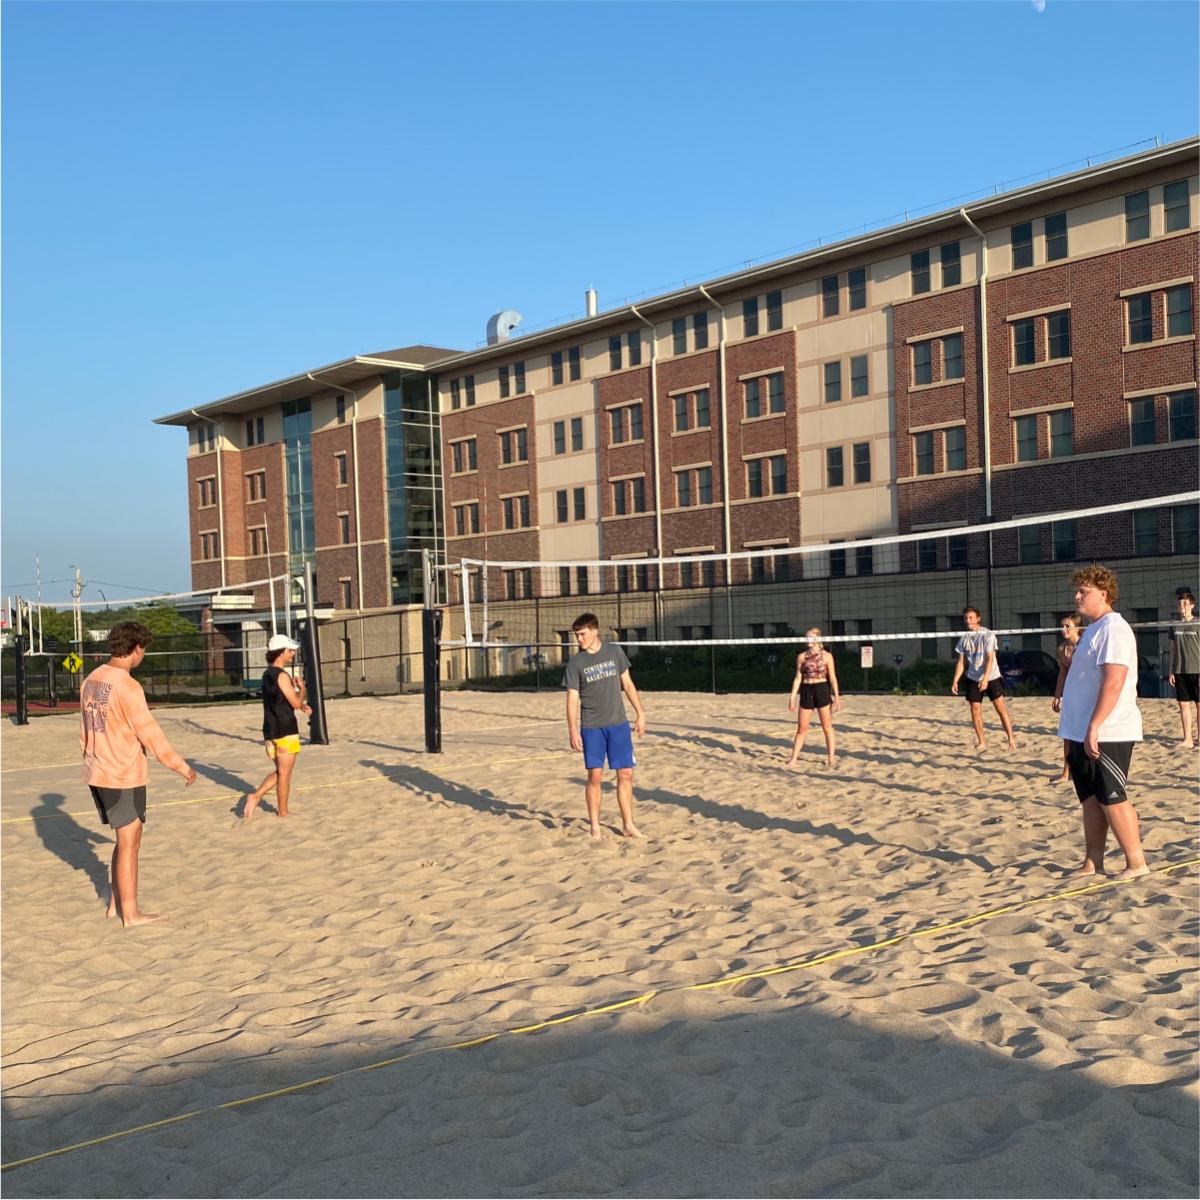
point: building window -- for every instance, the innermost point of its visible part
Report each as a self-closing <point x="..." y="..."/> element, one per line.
<point x="1021" y="237"/>
<point x="704" y="484"/>
<point x="1145" y="531"/>
<point x="560" y="506"/>
<point x="1179" y="311"/>
<point x="957" y="552"/>
<point x="1056" y="237"/>
<point x="469" y="385"/>
<point x="864" y="561"/>
<point x="833" y="382"/>
<point x="581" y="580"/>
<point x="856" y="283"/>
<point x="208" y="493"/>
<point x="514" y="446"/>
<point x="347" y="597"/>
<point x="861" y="457"/>
<point x="639" y="494"/>
<point x="1141" y="320"/>
<point x="626" y="424"/>
<point x="574" y="363"/>
<point x="1029" y="544"/>
<point x="560" y="437"/>
<point x="952" y="356"/>
<point x="1184" y="529"/>
<point x="929" y="648"/>
<point x="504" y="384"/>
<point x="703" y="417"/>
<point x="923" y="443"/>
<point x="255" y="432"/>
<point x="556" y="367"/>
<point x="340" y="471"/>
<point x="750" y="317"/>
<point x="576" y="433"/>
<point x="629" y="495"/>
<point x="564" y="581"/>
<point x="951" y="265"/>
<point x="837" y="564"/>
<point x="829" y="296"/>
<point x="1182" y="417"/>
<point x="834" y="471"/>
<point x="344" y="528"/>
<point x="1027" y="438"/>
<point x="455" y="393"/>
<point x="1141" y="422"/>
<point x="1064" y="541"/>
<point x="753" y="389"/>
<point x="683" y="489"/>
<point x="682" y="414"/>
<point x="767" y="476"/>
<point x="1137" y="216"/>
<point x="922" y="363"/>
<point x="1175" y="206"/>
<point x="1030" y="620"/>
<point x="700" y="330"/>
<point x="1062" y="425"/>
<point x="1058" y="335"/>
<point x="927" y="556"/>
<point x="579" y="503"/>
<point x="620" y="507"/>
<point x="775" y="400"/>
<point x="920" y="272"/>
<point x="462" y="456"/>
<point x="679" y="334"/>
<point x="209" y="546"/>
<point x="774" y="311"/>
<point x="633" y="343"/>
<point x="256" y="486"/>
<point x="518" y="584"/>
<point x="1023" y="343"/>
<point x="516" y="512"/>
<point x="956" y="449"/>
<point x="614" y="352"/>
<point x="859" y="383"/>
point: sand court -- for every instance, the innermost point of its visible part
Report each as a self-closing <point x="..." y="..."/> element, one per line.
<point x="416" y="902"/>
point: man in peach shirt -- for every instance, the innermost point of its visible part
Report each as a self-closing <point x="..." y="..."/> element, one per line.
<point x="115" y="731"/>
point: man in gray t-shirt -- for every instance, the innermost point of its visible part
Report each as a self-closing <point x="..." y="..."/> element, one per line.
<point x="595" y="679"/>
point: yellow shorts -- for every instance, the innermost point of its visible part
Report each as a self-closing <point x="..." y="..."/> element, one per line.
<point x="291" y="744"/>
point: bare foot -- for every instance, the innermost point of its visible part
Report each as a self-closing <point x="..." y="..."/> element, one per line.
<point x="792" y="762"/>
<point x="249" y="807"/>
<point x="142" y="919"/>
<point x="111" y="911"/>
<point x="1187" y="744"/>
<point x="981" y="745"/>
<point x="631" y="831"/>
<point x="1012" y="745"/>
<point x="1133" y="872"/>
<point x="595" y="834"/>
<point x="1088" y="869"/>
<point x="1057" y="779"/>
<point x="831" y="762"/>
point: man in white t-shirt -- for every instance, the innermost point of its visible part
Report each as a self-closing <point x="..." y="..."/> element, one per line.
<point x="976" y="651"/>
<point x="1100" y="722"/>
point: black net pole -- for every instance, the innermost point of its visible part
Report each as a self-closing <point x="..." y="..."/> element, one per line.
<point x="22" y="682"/>
<point x="318" y="731"/>
<point x="51" y="682"/>
<point x="431" y="641"/>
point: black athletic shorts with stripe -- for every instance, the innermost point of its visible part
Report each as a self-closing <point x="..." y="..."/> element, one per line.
<point x="1106" y="777"/>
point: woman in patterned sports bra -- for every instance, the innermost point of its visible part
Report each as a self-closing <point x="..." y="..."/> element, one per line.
<point x="1071" y="626"/>
<point x="814" y="687"/>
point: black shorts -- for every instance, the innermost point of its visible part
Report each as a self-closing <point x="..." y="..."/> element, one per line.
<point x="120" y="806"/>
<point x="1187" y="688"/>
<point x="816" y="695"/>
<point x="976" y="690"/>
<point x="1105" y="777"/>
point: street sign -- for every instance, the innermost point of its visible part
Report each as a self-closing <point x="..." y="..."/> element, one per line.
<point x="72" y="662"/>
<point x="899" y="660"/>
<point x="866" y="657"/>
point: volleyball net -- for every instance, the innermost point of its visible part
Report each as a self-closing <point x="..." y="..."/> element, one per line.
<point x="900" y="595"/>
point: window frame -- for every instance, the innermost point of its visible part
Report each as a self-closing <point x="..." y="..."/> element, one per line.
<point x="1174" y="322"/>
<point x="1137" y="216"/>
<point x="856" y="289"/>
<point x="1170" y="207"/>
<point x="830" y="296"/>
<point x="860" y="466"/>
<point x="835" y="464"/>
<point x="1020" y="240"/>
<point x="920" y="274"/>
<point x="951" y="265"/>
<point x="1021" y="422"/>
<point x="1056" y="252"/>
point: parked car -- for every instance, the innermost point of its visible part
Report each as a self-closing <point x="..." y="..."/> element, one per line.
<point x="1033" y="668"/>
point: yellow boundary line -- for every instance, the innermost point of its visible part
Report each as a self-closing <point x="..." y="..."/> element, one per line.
<point x="308" y="787"/>
<point x="616" y="1006"/>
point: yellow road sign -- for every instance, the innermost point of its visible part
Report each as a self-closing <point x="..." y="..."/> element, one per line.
<point x="72" y="662"/>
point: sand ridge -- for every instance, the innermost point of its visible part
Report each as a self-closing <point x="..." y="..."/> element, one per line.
<point x="421" y="899"/>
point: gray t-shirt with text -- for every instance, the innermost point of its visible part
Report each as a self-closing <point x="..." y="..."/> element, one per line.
<point x="597" y="679"/>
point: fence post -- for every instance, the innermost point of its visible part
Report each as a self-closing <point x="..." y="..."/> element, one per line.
<point x="52" y="682"/>
<point x="537" y="639"/>
<point x="22" y="713"/>
<point x="712" y="650"/>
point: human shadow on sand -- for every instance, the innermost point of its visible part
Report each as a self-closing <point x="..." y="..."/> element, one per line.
<point x="74" y="843"/>
<point x="425" y="783"/>
<point x="749" y="818"/>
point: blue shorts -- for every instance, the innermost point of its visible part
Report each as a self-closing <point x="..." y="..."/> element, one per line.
<point x="613" y="741"/>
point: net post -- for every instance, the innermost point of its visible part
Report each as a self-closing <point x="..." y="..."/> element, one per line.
<point x="22" y="713"/>
<point x="318" y="731"/>
<point x="431" y="646"/>
<point x="51" y="681"/>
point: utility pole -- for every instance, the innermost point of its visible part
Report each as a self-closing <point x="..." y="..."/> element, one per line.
<point x="76" y="593"/>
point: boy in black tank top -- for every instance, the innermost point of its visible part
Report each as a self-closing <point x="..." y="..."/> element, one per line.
<point x="282" y="698"/>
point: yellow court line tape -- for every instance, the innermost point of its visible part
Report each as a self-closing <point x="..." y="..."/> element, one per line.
<point x="615" y="1006"/>
<point x="74" y="762"/>
<point x="308" y="787"/>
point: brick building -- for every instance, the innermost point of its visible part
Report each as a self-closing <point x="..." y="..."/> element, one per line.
<point x="1027" y="353"/>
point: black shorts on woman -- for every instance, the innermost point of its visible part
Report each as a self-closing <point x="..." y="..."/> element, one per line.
<point x="816" y="695"/>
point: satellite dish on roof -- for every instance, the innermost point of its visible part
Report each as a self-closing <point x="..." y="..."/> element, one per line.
<point x="500" y="327"/>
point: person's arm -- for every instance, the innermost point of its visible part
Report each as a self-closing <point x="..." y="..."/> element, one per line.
<point x="991" y="659"/>
<point x="831" y="668"/>
<point x="959" y="666"/>
<point x="1176" y="658"/>
<point x="1064" y="665"/>
<point x="287" y="688"/>
<point x="573" y="734"/>
<point x="795" y="686"/>
<point x="628" y="688"/>
<point x="148" y="731"/>
<point x="1112" y="680"/>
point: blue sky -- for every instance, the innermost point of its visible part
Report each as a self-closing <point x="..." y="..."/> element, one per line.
<point x="199" y="198"/>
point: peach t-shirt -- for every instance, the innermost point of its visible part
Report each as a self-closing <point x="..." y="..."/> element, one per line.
<point x="116" y="729"/>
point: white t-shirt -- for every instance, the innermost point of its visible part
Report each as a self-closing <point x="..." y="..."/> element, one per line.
<point x="1108" y="640"/>
<point x="976" y="646"/>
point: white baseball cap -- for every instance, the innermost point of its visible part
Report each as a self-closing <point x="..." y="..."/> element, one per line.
<point x="282" y="642"/>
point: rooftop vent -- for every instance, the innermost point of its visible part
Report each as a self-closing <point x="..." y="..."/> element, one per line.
<point x="500" y="327"/>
